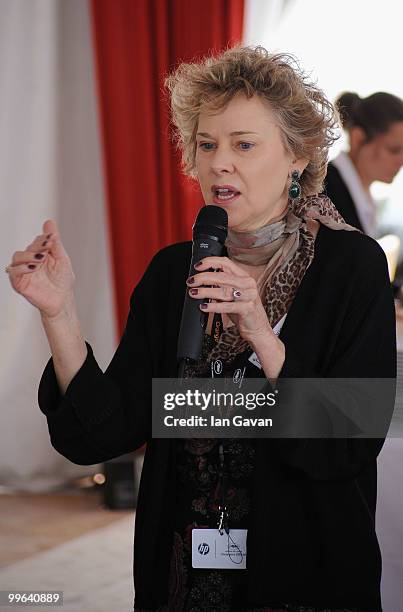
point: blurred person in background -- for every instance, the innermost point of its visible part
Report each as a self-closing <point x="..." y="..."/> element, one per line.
<point x="375" y="132"/>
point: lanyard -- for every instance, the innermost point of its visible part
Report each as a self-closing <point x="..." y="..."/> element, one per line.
<point x="222" y="485"/>
<point x="223" y="520"/>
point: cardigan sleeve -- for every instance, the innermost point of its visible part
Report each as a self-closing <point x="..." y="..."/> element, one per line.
<point x="366" y="348"/>
<point x="104" y="415"/>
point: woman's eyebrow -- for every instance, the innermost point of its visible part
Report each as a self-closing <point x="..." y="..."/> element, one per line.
<point x="238" y="133"/>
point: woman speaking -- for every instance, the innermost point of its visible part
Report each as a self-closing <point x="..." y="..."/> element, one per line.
<point x="300" y="290"/>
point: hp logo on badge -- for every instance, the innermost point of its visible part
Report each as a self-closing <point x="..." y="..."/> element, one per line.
<point x="203" y="548"/>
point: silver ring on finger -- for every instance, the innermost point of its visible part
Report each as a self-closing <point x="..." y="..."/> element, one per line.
<point x="236" y="295"/>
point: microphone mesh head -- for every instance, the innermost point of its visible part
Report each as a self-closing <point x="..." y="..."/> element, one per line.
<point x="212" y="221"/>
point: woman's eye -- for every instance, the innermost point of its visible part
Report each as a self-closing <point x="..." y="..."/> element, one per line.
<point x="206" y="146"/>
<point x="245" y="146"/>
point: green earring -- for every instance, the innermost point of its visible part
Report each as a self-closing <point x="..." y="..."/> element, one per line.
<point x="295" y="188"/>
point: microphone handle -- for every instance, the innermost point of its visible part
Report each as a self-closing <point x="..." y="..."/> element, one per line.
<point x="194" y="321"/>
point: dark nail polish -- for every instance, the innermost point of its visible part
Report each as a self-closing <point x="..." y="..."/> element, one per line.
<point x="44" y="243"/>
<point x="199" y="263"/>
<point x="39" y="256"/>
<point x="204" y="306"/>
<point x="194" y="291"/>
<point x="31" y="266"/>
<point x="48" y="236"/>
<point x="191" y="280"/>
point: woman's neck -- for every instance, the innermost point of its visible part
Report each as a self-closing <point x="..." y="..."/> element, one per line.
<point x="366" y="181"/>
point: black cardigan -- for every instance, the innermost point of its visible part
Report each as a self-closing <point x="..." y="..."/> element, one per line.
<point x="312" y="537"/>
<point x="336" y="189"/>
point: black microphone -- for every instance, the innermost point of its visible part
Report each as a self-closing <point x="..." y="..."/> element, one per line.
<point x="209" y="234"/>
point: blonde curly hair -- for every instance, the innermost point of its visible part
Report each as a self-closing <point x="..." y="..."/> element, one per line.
<point x="307" y="120"/>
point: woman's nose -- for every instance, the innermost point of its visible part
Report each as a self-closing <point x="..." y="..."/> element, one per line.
<point x="222" y="161"/>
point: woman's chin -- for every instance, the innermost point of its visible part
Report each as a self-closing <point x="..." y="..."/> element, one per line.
<point x="236" y="222"/>
<point x="242" y="226"/>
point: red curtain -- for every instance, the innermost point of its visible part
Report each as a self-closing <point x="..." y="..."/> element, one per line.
<point x="150" y="203"/>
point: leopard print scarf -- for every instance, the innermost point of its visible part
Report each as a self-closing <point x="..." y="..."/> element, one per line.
<point x="287" y="248"/>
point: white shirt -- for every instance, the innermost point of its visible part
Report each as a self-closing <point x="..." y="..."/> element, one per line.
<point x="365" y="205"/>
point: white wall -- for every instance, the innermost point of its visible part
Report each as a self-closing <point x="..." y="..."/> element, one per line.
<point x="50" y="167"/>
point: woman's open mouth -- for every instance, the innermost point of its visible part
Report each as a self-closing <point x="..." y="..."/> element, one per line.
<point x="224" y="194"/>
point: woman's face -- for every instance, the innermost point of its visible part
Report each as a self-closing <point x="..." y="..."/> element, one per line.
<point x="381" y="158"/>
<point x="242" y="164"/>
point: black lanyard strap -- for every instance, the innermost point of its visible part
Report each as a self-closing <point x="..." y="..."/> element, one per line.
<point x="223" y="520"/>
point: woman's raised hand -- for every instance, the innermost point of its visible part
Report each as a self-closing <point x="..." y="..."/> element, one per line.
<point x="42" y="273"/>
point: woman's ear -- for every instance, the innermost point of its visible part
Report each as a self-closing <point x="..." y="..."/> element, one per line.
<point x="300" y="165"/>
<point x="357" y="138"/>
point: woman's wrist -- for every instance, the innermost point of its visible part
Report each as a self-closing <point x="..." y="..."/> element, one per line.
<point x="66" y="343"/>
<point x="67" y="312"/>
<point x="270" y="351"/>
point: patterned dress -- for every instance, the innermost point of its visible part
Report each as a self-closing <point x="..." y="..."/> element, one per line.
<point x="197" y="469"/>
<point x="197" y="506"/>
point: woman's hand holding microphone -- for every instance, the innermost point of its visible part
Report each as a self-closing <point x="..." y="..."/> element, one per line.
<point x="43" y="274"/>
<point x="235" y="293"/>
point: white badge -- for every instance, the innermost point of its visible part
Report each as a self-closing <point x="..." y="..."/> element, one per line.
<point x="255" y="360"/>
<point x="279" y="325"/>
<point x="210" y="549"/>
